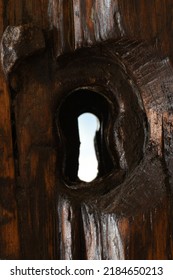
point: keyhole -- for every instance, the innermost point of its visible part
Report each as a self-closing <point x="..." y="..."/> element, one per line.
<point x="88" y="125"/>
<point x="83" y="121"/>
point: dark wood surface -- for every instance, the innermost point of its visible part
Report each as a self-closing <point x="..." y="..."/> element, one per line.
<point x="115" y="217"/>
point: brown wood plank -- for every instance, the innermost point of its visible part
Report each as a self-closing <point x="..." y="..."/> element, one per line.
<point x="9" y="236"/>
<point x="133" y="218"/>
<point x="149" y="20"/>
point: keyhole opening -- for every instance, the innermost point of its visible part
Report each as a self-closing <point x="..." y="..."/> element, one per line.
<point x="85" y="112"/>
<point x="88" y="126"/>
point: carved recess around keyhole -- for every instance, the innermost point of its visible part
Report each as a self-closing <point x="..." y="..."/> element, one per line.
<point x="118" y="144"/>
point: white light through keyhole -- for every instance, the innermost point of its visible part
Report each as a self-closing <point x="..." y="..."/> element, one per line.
<point x="88" y="125"/>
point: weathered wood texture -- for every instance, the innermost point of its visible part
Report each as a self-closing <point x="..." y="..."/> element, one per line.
<point x="39" y="217"/>
<point x="78" y="23"/>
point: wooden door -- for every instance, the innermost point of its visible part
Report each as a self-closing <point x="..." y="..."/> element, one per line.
<point x="60" y="59"/>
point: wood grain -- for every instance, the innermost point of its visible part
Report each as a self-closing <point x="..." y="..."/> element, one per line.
<point x="9" y="236"/>
<point x="40" y="217"/>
